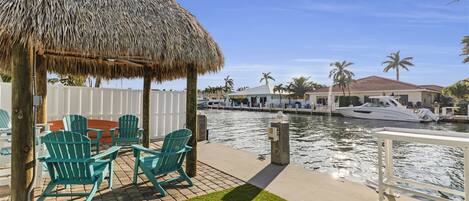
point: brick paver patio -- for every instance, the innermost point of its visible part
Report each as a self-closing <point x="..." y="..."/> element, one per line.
<point x="207" y="180"/>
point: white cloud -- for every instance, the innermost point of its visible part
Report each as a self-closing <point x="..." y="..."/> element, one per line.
<point x="427" y="17"/>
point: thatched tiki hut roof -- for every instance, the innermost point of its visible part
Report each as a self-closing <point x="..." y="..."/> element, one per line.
<point x="154" y="39"/>
<point x="110" y="38"/>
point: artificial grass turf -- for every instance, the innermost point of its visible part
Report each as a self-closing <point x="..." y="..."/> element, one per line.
<point x="244" y="192"/>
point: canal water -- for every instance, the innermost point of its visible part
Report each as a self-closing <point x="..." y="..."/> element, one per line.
<point x="343" y="147"/>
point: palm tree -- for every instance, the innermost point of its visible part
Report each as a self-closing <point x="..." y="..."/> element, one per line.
<point x="341" y="76"/>
<point x="4" y="77"/>
<point x="266" y="77"/>
<point x="213" y="91"/>
<point x="280" y="89"/>
<point x="395" y="62"/>
<point x="300" y="85"/>
<point x="97" y="83"/>
<point x="465" y="49"/>
<point x="69" y="80"/>
<point x="228" y="84"/>
<point x="242" y="88"/>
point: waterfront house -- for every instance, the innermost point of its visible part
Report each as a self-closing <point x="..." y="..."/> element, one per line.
<point x="361" y="89"/>
<point x="261" y="96"/>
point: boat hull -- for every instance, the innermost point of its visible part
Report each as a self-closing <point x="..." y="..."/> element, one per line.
<point x="379" y="114"/>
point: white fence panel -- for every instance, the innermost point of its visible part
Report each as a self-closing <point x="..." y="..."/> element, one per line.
<point x="5" y="97"/>
<point x="167" y="108"/>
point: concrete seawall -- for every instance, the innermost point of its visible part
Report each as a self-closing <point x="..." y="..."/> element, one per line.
<point x="275" y="110"/>
<point x="454" y="119"/>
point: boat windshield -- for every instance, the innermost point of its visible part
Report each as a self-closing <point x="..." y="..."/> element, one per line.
<point x="394" y="102"/>
<point x="376" y="102"/>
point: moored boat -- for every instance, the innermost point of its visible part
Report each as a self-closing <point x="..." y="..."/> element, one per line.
<point x="387" y="108"/>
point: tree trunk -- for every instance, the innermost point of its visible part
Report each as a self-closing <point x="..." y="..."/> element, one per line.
<point x="397" y="73"/>
<point x="22" y="160"/>
<point x="146" y="107"/>
<point x="97" y="82"/>
<point x="41" y="89"/>
<point x="191" y="120"/>
<point x="280" y="100"/>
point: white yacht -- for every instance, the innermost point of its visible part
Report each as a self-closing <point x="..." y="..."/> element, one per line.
<point x="387" y="108"/>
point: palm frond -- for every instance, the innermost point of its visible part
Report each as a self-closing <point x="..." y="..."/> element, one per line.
<point x="387" y="68"/>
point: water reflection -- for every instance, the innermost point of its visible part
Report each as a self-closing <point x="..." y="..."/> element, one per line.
<point x="343" y="147"/>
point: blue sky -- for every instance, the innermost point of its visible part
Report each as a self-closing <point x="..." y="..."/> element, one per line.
<point x="301" y="37"/>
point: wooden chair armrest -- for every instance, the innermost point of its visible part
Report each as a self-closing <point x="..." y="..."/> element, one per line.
<point x="43" y="158"/>
<point x="114" y="129"/>
<point x="61" y="160"/>
<point x="188" y="148"/>
<point x="139" y="148"/>
<point x="98" y="131"/>
<point x="111" y="152"/>
<point x="95" y="129"/>
<point x="113" y="132"/>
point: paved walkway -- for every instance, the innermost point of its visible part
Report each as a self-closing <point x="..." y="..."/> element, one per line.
<point x="209" y="179"/>
<point x="291" y="182"/>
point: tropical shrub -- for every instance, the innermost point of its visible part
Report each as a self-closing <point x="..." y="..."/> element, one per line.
<point x="459" y="92"/>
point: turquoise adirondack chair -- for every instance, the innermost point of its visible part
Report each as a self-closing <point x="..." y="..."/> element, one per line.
<point x="5" y="128"/>
<point x="4" y="121"/>
<point x="168" y="159"/>
<point x="70" y="162"/>
<point x="128" y="132"/>
<point x="79" y="124"/>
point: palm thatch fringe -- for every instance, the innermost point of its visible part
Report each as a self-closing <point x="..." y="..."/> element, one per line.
<point x="110" y="38"/>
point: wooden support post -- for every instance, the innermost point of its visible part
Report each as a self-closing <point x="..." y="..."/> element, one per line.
<point x="191" y="120"/>
<point x="146" y="107"/>
<point x="22" y="161"/>
<point x="41" y="89"/>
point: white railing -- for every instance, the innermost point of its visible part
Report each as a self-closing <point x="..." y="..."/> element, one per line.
<point x="167" y="108"/>
<point x="387" y="181"/>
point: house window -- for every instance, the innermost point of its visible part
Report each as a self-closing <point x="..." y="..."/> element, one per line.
<point x="404" y="99"/>
<point x="321" y="100"/>
<point x="366" y="99"/>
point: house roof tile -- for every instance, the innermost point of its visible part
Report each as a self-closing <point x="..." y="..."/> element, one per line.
<point x="376" y="83"/>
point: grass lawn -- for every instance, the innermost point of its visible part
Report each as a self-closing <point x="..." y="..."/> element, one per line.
<point x="240" y="193"/>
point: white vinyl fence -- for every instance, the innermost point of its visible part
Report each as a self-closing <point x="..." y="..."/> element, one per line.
<point x="167" y="108"/>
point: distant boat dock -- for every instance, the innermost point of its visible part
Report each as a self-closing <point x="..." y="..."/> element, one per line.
<point x="275" y="110"/>
<point x="448" y="118"/>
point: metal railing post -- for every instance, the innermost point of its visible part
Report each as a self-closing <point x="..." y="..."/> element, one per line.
<point x="389" y="172"/>
<point x="380" y="170"/>
<point x="466" y="173"/>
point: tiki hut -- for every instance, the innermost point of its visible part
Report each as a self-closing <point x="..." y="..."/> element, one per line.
<point x="111" y="39"/>
<point x="154" y="39"/>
